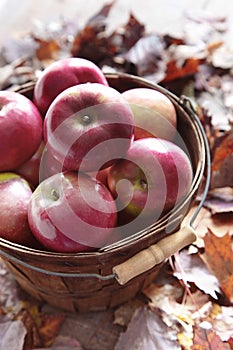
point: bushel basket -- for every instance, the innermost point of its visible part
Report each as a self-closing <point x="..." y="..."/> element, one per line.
<point x="113" y="275"/>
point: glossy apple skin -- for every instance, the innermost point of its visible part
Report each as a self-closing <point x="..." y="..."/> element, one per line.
<point x="70" y="212"/>
<point x="15" y="194"/>
<point x="49" y="165"/>
<point x="20" y="130"/>
<point x="61" y="75"/>
<point x="154" y="114"/>
<point x="87" y="126"/>
<point x="30" y="170"/>
<point x="156" y="173"/>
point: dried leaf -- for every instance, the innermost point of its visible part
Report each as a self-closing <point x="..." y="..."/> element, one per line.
<point x="123" y="313"/>
<point x="12" y="335"/>
<point x="207" y="339"/>
<point x="47" y="49"/>
<point x="9" y="297"/>
<point x="220" y="224"/>
<point x="223" y="323"/>
<point x="50" y="326"/>
<point x="191" y="268"/>
<point x="222" y="174"/>
<point x="32" y="338"/>
<point x="14" y="49"/>
<point x="64" y="343"/>
<point x="126" y="36"/>
<point x="222" y="57"/>
<point x="174" y="71"/>
<point x="92" y="42"/>
<point x="219" y="259"/>
<point x="220" y="200"/>
<point x="147" y="55"/>
<point x="147" y="331"/>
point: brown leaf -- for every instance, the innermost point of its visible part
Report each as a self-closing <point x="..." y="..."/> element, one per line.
<point x="46" y="49"/>
<point x="207" y="339"/>
<point x="173" y="71"/>
<point x="32" y="339"/>
<point x="92" y="42"/>
<point x="220" y="224"/>
<point x="127" y="35"/>
<point x="219" y="259"/>
<point x="50" y="325"/>
<point x="222" y="174"/>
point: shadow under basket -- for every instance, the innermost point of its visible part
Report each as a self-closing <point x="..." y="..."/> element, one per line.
<point x="103" y="279"/>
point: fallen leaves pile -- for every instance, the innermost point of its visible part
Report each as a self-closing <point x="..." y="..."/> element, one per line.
<point x="190" y="304"/>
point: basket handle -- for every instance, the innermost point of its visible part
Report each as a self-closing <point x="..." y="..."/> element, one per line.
<point x="155" y="254"/>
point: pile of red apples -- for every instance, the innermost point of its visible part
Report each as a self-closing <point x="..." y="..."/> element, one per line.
<point x="83" y="165"/>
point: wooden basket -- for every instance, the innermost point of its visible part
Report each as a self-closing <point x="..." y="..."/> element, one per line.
<point x="99" y="280"/>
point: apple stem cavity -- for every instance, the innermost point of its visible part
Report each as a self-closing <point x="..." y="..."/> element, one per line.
<point x="54" y="194"/>
<point x="143" y="184"/>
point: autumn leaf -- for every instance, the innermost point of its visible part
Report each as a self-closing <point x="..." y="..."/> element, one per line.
<point x="46" y="49"/>
<point x="63" y="343"/>
<point x="147" y="55"/>
<point x="12" y="334"/>
<point x="50" y="325"/>
<point x="222" y="174"/>
<point x="174" y="71"/>
<point x="220" y="200"/>
<point x="32" y="339"/>
<point x="146" y="331"/>
<point x="219" y="259"/>
<point x="207" y="339"/>
<point x="191" y="268"/>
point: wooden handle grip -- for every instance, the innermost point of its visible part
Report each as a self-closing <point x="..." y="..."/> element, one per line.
<point x="155" y="254"/>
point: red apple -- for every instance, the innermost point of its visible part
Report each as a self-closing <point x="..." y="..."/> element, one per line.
<point x="20" y="130"/>
<point x="62" y="74"/>
<point x="71" y="212"/>
<point x="15" y="193"/>
<point x="154" y="113"/>
<point x="154" y="176"/>
<point x="31" y="168"/>
<point x="49" y="165"/>
<point x="87" y="126"/>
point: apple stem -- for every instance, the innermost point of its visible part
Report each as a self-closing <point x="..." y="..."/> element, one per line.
<point x="86" y="119"/>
